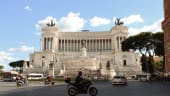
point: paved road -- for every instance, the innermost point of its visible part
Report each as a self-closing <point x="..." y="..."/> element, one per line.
<point x="10" y="87"/>
<point x="134" y="88"/>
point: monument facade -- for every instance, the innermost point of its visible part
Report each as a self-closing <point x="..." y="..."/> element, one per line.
<point x="94" y="53"/>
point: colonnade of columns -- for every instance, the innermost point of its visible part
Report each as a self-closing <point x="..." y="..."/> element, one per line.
<point x="90" y="44"/>
<point x="119" y="39"/>
<point x="48" y="43"/>
<point x="76" y="44"/>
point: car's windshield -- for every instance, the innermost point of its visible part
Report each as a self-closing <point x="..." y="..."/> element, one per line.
<point x="119" y="77"/>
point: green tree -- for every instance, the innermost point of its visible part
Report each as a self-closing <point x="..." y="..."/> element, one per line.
<point x="158" y="65"/>
<point x="143" y="63"/>
<point x="1" y="67"/>
<point x="159" y="47"/>
<point x="18" y="64"/>
<point x="148" y="44"/>
<point x="158" y="39"/>
<point x="1" y="70"/>
<point x="142" y="43"/>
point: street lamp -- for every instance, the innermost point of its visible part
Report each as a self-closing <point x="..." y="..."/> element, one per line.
<point x="43" y="65"/>
<point x="62" y="64"/>
<point x="114" y="56"/>
<point x="100" y="66"/>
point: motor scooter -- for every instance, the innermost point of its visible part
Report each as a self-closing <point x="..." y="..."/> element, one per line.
<point x="49" y="80"/>
<point x="20" y="83"/>
<point x="87" y="88"/>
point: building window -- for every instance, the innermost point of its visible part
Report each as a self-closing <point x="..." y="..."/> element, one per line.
<point x="124" y="63"/>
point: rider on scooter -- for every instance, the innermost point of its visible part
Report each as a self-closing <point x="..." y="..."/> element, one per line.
<point x="80" y="86"/>
<point x="79" y="81"/>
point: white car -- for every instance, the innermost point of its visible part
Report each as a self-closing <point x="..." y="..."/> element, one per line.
<point x="119" y="80"/>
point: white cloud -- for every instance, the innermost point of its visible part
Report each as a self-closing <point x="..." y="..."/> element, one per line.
<point x="6" y="57"/>
<point x="38" y="33"/>
<point x="27" y="8"/>
<point x="97" y="21"/>
<point x="43" y="23"/>
<point x="114" y="19"/>
<point x="132" y="19"/>
<point x="155" y="27"/>
<point x="72" y="22"/>
<point x="23" y="48"/>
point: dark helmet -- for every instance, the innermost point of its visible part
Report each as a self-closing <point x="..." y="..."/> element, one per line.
<point x="80" y="73"/>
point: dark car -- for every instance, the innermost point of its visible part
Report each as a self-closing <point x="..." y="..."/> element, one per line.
<point x="119" y="80"/>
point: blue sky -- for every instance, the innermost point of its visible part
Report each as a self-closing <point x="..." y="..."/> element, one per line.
<point x="21" y="20"/>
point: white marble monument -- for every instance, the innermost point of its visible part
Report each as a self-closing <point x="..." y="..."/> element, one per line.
<point x="88" y="51"/>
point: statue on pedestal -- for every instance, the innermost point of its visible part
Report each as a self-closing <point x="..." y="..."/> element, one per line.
<point x="118" y="22"/>
<point x="51" y="69"/>
<point x="51" y="24"/>
<point x="83" y="43"/>
<point x="83" y="49"/>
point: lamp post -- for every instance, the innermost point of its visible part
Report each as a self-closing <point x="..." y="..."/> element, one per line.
<point x="51" y="69"/>
<point x="100" y="60"/>
<point x="62" y="64"/>
<point x="100" y="64"/>
<point x="43" y="65"/>
<point x="114" y="56"/>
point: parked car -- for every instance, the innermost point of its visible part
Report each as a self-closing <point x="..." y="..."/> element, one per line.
<point x="144" y="77"/>
<point x="119" y="80"/>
